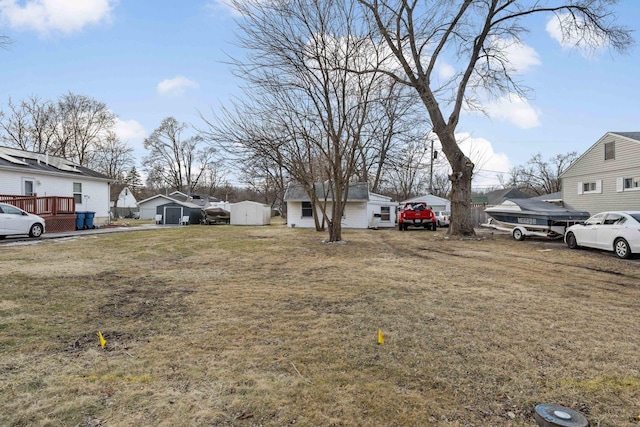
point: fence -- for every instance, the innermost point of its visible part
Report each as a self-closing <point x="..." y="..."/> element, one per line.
<point x="478" y="216"/>
<point x="59" y="213"/>
<point x="48" y="205"/>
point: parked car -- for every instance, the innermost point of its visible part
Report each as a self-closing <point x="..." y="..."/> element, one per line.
<point x="416" y="214"/>
<point x="442" y="218"/>
<point x="615" y="231"/>
<point x="15" y="221"/>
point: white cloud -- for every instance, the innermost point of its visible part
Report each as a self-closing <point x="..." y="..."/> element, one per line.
<point x="176" y="86"/>
<point x="515" y="110"/>
<point x="133" y="134"/>
<point x="445" y="71"/>
<point x="488" y="164"/>
<point x="56" y="16"/>
<point x="520" y="56"/>
<point x="573" y="33"/>
<point x="130" y="130"/>
<point x="222" y="6"/>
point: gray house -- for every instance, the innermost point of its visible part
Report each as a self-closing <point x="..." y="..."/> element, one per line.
<point x="606" y="177"/>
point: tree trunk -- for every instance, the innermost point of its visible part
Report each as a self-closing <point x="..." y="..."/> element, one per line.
<point x="461" y="176"/>
<point x="335" y="225"/>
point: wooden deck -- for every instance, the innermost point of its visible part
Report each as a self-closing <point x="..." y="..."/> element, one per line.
<point x="58" y="212"/>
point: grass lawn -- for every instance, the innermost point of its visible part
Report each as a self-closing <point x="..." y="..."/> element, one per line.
<point x="268" y="326"/>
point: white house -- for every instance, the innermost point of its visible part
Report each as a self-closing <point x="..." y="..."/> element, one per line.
<point x="24" y="173"/>
<point x="435" y="203"/>
<point x="363" y="209"/>
<point x="606" y="177"/>
<point x="123" y="202"/>
<point x="250" y="213"/>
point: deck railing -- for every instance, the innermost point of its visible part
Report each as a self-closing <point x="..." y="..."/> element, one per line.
<point x="48" y="205"/>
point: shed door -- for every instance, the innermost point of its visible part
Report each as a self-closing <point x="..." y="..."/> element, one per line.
<point x="172" y="215"/>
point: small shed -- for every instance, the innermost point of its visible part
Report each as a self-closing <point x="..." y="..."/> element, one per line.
<point x="174" y="212"/>
<point x="250" y="213"/>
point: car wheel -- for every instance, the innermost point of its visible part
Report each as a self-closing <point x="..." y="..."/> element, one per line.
<point x="518" y="234"/>
<point x="434" y="226"/>
<point x="399" y="227"/>
<point x="622" y="249"/>
<point x="36" y="230"/>
<point x="438" y="224"/>
<point x="571" y="241"/>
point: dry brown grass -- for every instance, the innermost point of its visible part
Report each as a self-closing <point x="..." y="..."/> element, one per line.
<point x="223" y="325"/>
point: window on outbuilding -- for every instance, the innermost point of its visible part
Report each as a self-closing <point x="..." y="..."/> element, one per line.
<point x="77" y="192"/>
<point x="385" y="213"/>
<point x="610" y="151"/>
<point x="307" y="210"/>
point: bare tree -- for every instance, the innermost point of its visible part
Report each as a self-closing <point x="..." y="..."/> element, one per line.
<point x="5" y="41"/>
<point x="408" y="171"/>
<point x="311" y="110"/>
<point x="541" y="176"/>
<point x="113" y="158"/>
<point x="213" y="178"/>
<point x="44" y="119"/>
<point x="177" y="162"/>
<point x="15" y="125"/>
<point x="392" y="120"/>
<point x="84" y="123"/>
<point x="441" y="184"/>
<point x="271" y="141"/>
<point x="474" y="35"/>
<point x="74" y="127"/>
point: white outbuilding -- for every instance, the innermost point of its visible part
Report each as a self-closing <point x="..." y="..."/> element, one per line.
<point x="362" y="209"/>
<point x="436" y="203"/>
<point x="250" y="213"/>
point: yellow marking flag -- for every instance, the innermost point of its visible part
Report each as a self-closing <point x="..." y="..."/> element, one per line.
<point x="103" y="342"/>
<point x="380" y="337"/>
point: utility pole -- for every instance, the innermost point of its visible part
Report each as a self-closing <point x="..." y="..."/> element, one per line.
<point x="431" y="168"/>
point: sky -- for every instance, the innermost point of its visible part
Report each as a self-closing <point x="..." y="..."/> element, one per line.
<point x="151" y="60"/>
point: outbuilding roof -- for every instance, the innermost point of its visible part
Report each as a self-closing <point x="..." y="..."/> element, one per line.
<point x="358" y="192"/>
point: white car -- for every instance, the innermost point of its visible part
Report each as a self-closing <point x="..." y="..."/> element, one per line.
<point x="15" y="221"/>
<point x="615" y="231"/>
<point x="442" y="218"/>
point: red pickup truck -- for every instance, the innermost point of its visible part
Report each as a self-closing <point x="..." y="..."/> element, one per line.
<point x="416" y="214"/>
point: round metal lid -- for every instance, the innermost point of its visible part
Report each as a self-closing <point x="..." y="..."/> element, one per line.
<point x="547" y="415"/>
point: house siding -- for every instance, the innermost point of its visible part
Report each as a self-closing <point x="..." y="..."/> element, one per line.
<point x="375" y="207"/>
<point x="355" y="215"/>
<point x="126" y="199"/>
<point x="61" y="186"/>
<point x="360" y="210"/>
<point x="592" y="167"/>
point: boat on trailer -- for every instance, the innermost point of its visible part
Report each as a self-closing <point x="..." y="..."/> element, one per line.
<point x="531" y="217"/>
